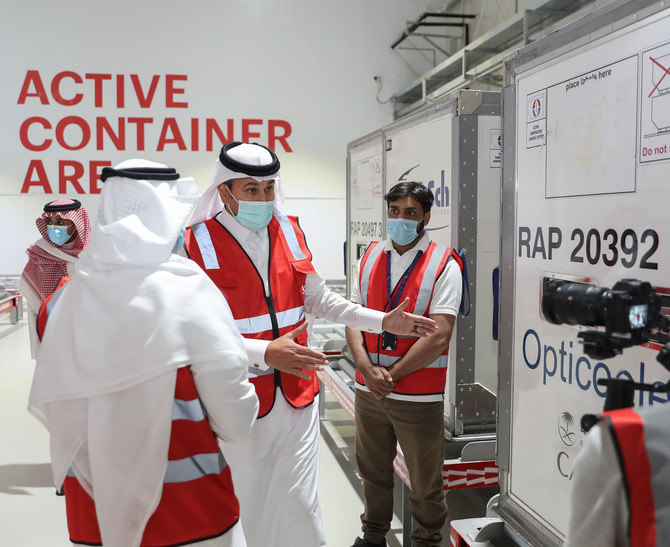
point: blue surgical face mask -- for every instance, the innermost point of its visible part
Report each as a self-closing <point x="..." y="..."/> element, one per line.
<point x="57" y="234"/>
<point x="401" y="230"/>
<point x="254" y="215"/>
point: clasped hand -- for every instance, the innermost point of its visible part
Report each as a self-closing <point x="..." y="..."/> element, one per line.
<point x="378" y="380"/>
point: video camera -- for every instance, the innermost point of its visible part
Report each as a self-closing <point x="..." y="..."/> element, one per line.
<point x="631" y="314"/>
<point x="628" y="311"/>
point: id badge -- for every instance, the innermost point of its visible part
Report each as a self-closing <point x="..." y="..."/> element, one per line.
<point x="389" y="341"/>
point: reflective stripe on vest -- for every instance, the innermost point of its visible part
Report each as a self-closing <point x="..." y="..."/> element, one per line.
<point x="259" y="316"/>
<point x="52" y="301"/>
<point x="207" y="251"/>
<point x="188" y="410"/>
<point x="289" y="235"/>
<point x="428" y="281"/>
<point x="194" y="467"/>
<point x="188" y="469"/>
<point x="198" y="465"/>
<point x="367" y="269"/>
<point x="197" y="486"/>
<point x="388" y="360"/>
<point x="204" y="239"/>
<point x="422" y="302"/>
<point x="262" y="323"/>
<point x="255" y="372"/>
<point x="430" y="380"/>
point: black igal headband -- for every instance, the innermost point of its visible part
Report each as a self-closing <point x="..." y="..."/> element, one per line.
<point x="140" y="173"/>
<point x="251" y="170"/>
<point x="54" y="208"/>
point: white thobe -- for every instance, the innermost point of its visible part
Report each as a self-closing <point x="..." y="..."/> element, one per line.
<point x="275" y="469"/>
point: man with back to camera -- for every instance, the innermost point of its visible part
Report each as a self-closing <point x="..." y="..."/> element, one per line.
<point x="620" y="484"/>
<point x="140" y="367"/>
<point x="259" y="259"/>
<point x="400" y="380"/>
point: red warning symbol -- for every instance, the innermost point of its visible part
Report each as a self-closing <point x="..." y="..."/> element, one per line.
<point x="665" y="73"/>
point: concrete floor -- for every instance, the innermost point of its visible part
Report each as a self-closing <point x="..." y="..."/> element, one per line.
<point x="31" y="515"/>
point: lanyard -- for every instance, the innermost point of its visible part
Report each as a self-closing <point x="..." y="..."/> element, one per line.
<point x="405" y="277"/>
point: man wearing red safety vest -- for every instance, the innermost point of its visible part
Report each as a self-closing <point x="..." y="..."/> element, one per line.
<point x="139" y="371"/>
<point x="259" y="259"/>
<point x="620" y="488"/>
<point x="400" y="380"/>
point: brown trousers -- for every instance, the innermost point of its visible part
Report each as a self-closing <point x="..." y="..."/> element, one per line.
<point x="419" y="428"/>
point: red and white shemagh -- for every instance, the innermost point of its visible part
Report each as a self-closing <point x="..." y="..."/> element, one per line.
<point x="44" y="269"/>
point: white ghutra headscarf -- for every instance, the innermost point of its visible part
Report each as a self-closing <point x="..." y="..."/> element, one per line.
<point x="132" y="313"/>
<point x="239" y="160"/>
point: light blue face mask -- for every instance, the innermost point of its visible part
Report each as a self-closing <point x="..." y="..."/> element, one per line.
<point x="401" y="230"/>
<point x="57" y="234"/>
<point x="254" y="215"/>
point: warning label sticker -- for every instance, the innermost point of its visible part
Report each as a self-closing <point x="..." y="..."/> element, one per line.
<point x="536" y="119"/>
<point x="495" y="146"/>
<point x="655" y="107"/>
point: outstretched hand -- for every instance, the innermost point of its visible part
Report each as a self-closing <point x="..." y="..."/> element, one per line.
<point x="400" y="322"/>
<point x="286" y="355"/>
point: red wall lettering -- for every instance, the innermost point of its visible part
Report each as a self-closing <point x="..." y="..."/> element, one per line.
<point x="118" y="139"/>
<point x="145" y="100"/>
<point x="79" y="122"/>
<point x="211" y="127"/>
<point x="33" y="78"/>
<point x="76" y="172"/>
<point x="36" y="168"/>
<point x="171" y="125"/>
<point x="273" y="127"/>
<point x="171" y="90"/>
<point x="55" y="88"/>
<point x="94" y="169"/>
<point x="23" y="134"/>
<point x="97" y="86"/>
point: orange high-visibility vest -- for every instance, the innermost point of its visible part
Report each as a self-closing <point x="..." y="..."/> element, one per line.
<point x="643" y="450"/>
<point x="198" y="501"/>
<point x="48" y="304"/>
<point x="431" y="379"/>
<point x="256" y="315"/>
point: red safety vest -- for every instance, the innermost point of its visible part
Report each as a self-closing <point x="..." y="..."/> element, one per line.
<point x="431" y="379"/>
<point x="256" y="316"/>
<point x="642" y="442"/>
<point x="48" y="304"/>
<point x="198" y="500"/>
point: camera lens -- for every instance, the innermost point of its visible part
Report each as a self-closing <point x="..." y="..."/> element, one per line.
<point x="574" y="303"/>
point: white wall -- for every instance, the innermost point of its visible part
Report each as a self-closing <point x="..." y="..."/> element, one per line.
<point x="420" y="56"/>
<point x="490" y="13"/>
<point x="309" y="64"/>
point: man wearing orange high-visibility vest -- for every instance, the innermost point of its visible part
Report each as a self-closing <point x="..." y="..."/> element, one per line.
<point x="259" y="259"/>
<point x="139" y="371"/>
<point x="400" y="380"/>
